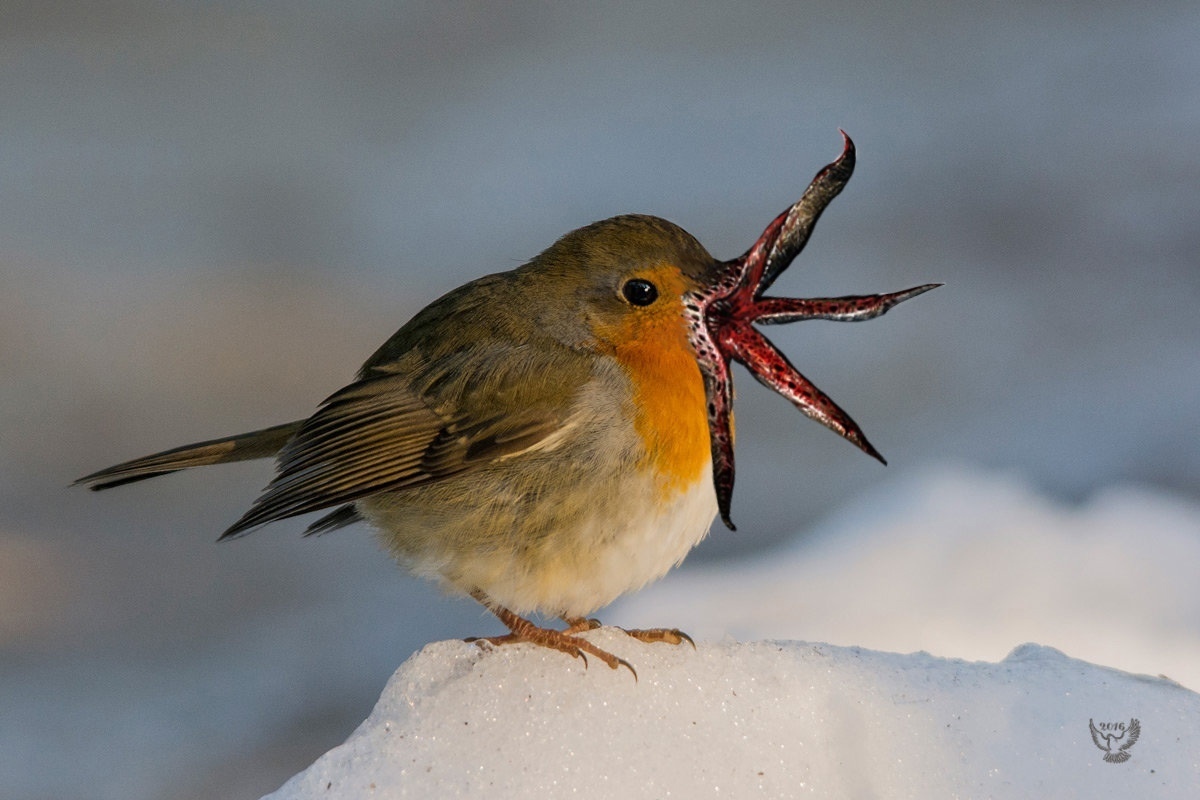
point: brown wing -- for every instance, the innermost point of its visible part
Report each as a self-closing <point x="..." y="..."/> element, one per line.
<point x="428" y="405"/>
<point x="378" y="435"/>
<point x="368" y="435"/>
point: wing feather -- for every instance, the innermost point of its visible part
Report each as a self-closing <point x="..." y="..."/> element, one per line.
<point x="379" y="434"/>
<point x="369" y="437"/>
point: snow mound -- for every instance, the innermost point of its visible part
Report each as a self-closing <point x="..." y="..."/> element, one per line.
<point x="761" y="719"/>
<point x="965" y="562"/>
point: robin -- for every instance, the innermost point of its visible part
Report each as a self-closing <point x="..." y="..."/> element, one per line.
<point x="549" y="438"/>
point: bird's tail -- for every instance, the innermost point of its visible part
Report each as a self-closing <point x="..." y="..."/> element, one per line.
<point x="243" y="447"/>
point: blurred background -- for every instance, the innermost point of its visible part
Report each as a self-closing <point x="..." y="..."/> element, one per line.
<point x="212" y="213"/>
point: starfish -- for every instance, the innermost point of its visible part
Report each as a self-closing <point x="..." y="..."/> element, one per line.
<point x="721" y="325"/>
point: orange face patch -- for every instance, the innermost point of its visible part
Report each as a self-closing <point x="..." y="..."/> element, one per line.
<point x="668" y="401"/>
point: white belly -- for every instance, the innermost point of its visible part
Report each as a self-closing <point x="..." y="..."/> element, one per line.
<point x="614" y="544"/>
<point x="648" y="545"/>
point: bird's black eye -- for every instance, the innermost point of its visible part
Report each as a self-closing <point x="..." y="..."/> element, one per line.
<point x="639" y="292"/>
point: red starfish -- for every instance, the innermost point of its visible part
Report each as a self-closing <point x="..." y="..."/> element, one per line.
<point x="722" y="324"/>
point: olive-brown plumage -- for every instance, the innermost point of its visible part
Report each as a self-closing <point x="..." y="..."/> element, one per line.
<point x="545" y="439"/>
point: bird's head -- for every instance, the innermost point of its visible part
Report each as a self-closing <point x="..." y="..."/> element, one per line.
<point x="637" y="276"/>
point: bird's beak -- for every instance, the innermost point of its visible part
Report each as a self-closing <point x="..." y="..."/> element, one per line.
<point x="721" y="320"/>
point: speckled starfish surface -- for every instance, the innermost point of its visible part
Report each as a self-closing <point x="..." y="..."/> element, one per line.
<point x="722" y="321"/>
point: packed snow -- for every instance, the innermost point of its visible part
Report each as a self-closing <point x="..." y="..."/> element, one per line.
<point x="763" y="719"/>
<point x="957" y="561"/>
<point x="952" y="560"/>
<point x="964" y="562"/>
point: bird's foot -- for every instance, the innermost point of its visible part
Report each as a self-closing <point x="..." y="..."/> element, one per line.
<point x="668" y="635"/>
<point x="564" y="641"/>
<point x="580" y="624"/>
<point x="557" y="640"/>
<point x="649" y="635"/>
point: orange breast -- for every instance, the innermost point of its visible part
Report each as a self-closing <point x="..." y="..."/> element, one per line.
<point x="668" y="401"/>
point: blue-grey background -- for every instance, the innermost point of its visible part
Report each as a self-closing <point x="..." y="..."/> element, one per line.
<point x="211" y="213"/>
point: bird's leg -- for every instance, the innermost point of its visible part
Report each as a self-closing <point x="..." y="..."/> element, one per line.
<point x="522" y="630"/>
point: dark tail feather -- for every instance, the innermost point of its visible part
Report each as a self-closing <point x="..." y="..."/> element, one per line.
<point x="346" y="515"/>
<point x="243" y="447"/>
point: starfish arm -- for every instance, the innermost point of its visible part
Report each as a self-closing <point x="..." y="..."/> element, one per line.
<point x="749" y="275"/>
<point x="705" y="333"/>
<point x="852" y="308"/>
<point x="719" y="389"/>
<point x="752" y="265"/>
<point x="772" y="369"/>
<point x="801" y="218"/>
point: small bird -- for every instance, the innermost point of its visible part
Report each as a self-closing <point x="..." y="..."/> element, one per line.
<point x="549" y="438"/>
